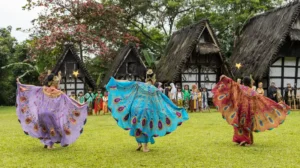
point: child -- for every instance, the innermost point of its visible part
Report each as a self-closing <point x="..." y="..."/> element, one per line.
<point x="204" y="99"/>
<point x="186" y="97"/>
<point x="194" y="98"/>
<point x="199" y="100"/>
<point x="90" y="98"/>
<point x="80" y="98"/>
<point x="179" y="97"/>
<point x="105" y="99"/>
<point x="73" y="96"/>
<point x="98" y="102"/>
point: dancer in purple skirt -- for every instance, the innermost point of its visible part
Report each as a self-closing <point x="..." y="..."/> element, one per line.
<point x="48" y="114"/>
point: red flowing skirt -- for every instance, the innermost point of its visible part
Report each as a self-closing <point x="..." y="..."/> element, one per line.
<point x="98" y="104"/>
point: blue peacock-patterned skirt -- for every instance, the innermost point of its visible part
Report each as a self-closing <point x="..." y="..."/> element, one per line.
<point x="143" y="109"/>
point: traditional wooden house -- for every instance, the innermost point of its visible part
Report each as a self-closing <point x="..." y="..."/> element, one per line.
<point x="127" y="65"/>
<point x="75" y="76"/>
<point x="193" y="56"/>
<point x="269" y="47"/>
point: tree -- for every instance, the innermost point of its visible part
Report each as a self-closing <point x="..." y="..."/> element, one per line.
<point x="151" y="19"/>
<point x="94" y="27"/>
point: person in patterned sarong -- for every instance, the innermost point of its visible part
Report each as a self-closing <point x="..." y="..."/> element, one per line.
<point x="246" y="110"/>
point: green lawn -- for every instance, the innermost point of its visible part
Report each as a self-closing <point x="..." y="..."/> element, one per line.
<point x="203" y="141"/>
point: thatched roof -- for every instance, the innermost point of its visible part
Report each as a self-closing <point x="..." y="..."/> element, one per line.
<point x="261" y="39"/>
<point x="208" y="48"/>
<point x="118" y="61"/>
<point x="180" y="48"/>
<point x="70" y="48"/>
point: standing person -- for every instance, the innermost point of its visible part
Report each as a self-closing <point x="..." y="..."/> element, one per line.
<point x="90" y="99"/>
<point x="173" y="93"/>
<point x="144" y="110"/>
<point x="105" y="100"/>
<point x="150" y="77"/>
<point x="253" y="85"/>
<point x="73" y="96"/>
<point x="239" y="81"/>
<point x="167" y="90"/>
<point x="245" y="110"/>
<point x="199" y="97"/>
<point x="194" y="99"/>
<point x="289" y="94"/>
<point x="98" y="102"/>
<point x="179" y="97"/>
<point x="48" y="114"/>
<point x="204" y="99"/>
<point x="160" y="87"/>
<point x="80" y="98"/>
<point x="186" y="97"/>
<point x="260" y="89"/>
<point x="272" y="92"/>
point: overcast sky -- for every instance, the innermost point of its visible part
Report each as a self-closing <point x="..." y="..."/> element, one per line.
<point x="11" y="14"/>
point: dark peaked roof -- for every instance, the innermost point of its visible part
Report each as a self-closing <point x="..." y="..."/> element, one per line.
<point x="261" y="39"/>
<point x="70" y="48"/>
<point x="180" y="48"/>
<point x="119" y="59"/>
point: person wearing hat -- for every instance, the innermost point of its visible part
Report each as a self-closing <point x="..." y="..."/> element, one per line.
<point x="150" y="77"/>
<point x="143" y="110"/>
<point x="48" y="114"/>
<point x="245" y="110"/>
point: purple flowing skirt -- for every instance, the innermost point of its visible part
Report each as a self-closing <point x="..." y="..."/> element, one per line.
<point x="52" y="119"/>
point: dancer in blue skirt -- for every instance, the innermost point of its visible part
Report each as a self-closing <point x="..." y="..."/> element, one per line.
<point x="144" y="110"/>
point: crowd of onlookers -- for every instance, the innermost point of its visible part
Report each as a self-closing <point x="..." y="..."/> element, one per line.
<point x="194" y="99"/>
<point x="97" y="102"/>
<point x="290" y="96"/>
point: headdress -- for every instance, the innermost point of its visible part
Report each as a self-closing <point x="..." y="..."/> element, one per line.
<point x="149" y="72"/>
<point x="55" y="80"/>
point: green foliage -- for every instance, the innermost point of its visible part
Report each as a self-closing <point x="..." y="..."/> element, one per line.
<point x="12" y="57"/>
<point x="149" y="58"/>
<point x="203" y="141"/>
<point x="96" y="68"/>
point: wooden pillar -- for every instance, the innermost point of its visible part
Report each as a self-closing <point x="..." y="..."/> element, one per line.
<point x="66" y="84"/>
<point x="296" y="75"/>
<point x="282" y="75"/>
<point x="75" y="85"/>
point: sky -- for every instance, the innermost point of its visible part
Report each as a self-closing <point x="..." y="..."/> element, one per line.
<point x="12" y="14"/>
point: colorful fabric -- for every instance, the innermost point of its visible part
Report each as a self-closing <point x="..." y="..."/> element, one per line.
<point x="143" y="109"/>
<point x="243" y="108"/>
<point x="90" y="99"/>
<point x="98" y="103"/>
<point x="105" y="108"/>
<point x="48" y="114"/>
<point x="80" y="99"/>
<point x="186" y="95"/>
<point x="204" y="100"/>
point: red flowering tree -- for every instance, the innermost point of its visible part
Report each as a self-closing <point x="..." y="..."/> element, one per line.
<point x="94" y="27"/>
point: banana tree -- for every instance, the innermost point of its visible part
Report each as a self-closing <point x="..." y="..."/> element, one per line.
<point x="149" y="58"/>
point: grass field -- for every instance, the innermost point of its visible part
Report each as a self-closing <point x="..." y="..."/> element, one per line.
<point x="203" y="141"/>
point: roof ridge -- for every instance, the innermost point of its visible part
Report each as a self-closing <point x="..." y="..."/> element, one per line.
<point x="191" y="25"/>
<point x="256" y="16"/>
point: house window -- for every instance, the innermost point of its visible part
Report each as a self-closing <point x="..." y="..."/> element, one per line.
<point x="283" y="71"/>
